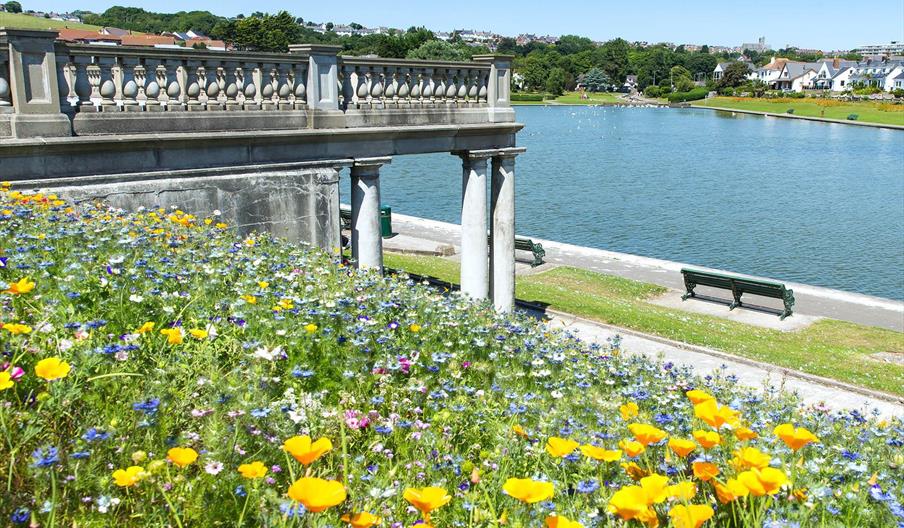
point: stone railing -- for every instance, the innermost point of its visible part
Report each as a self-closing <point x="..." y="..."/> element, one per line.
<point x="57" y="89"/>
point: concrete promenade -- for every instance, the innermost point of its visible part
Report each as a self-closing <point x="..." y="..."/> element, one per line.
<point x="433" y="237"/>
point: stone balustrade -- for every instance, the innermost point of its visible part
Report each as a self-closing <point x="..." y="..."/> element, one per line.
<point x="104" y="90"/>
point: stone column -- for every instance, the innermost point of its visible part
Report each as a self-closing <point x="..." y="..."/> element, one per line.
<point x="322" y="84"/>
<point x="499" y="82"/>
<point x="367" y="244"/>
<point x="33" y="85"/>
<point x="474" y="253"/>
<point x="502" y="255"/>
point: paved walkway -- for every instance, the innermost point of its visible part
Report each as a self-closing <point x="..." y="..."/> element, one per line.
<point x="752" y="375"/>
<point x="428" y="236"/>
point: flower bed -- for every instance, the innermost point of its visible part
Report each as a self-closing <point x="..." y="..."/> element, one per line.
<point x="159" y="370"/>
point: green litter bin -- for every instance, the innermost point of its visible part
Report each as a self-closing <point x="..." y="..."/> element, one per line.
<point x="386" y="221"/>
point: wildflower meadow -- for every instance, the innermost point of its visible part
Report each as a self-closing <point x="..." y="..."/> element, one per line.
<point x="158" y="369"/>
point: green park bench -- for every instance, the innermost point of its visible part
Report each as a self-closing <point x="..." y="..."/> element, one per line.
<point x="526" y="244"/>
<point x="738" y="286"/>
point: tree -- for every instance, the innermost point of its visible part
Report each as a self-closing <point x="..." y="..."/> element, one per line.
<point x="596" y="80"/>
<point x="681" y="79"/>
<point x="556" y="81"/>
<point x="355" y="25"/>
<point x="13" y="7"/>
<point x="735" y="74"/>
<point x="261" y="33"/>
<point x="572" y="44"/>
<point x="612" y="58"/>
<point x="440" y="50"/>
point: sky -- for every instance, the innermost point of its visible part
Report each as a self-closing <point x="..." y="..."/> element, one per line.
<point x="824" y="24"/>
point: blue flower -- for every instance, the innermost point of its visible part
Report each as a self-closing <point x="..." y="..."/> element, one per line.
<point x="290" y="509"/>
<point x="587" y="486"/>
<point x="149" y="406"/>
<point x="93" y="435"/>
<point x="45" y="457"/>
<point x="20" y="516"/>
<point x="81" y="454"/>
<point x="240" y="491"/>
<point x="260" y="413"/>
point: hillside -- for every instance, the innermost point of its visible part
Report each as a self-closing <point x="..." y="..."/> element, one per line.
<point x="19" y="20"/>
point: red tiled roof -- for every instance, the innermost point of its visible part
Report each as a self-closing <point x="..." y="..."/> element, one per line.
<point x="147" y="40"/>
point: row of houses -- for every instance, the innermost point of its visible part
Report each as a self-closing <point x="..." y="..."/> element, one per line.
<point x="111" y="36"/>
<point x="835" y="75"/>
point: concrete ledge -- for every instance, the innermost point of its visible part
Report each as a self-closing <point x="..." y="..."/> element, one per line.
<point x="805" y="118"/>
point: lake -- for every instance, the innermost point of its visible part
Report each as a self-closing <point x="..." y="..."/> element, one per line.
<point x="790" y="199"/>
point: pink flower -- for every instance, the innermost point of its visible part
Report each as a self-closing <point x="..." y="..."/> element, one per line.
<point x="16" y="373"/>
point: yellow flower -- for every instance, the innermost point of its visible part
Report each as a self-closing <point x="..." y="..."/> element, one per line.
<point x="361" y="519"/>
<point x="182" y="456"/>
<point x="698" y="396"/>
<point x="560" y="447"/>
<point x="16" y="329"/>
<point x="795" y="438"/>
<point x="630" y="502"/>
<point x="254" y="470"/>
<point x="656" y="487"/>
<point x="707" y="439"/>
<point x="731" y="490"/>
<point x="705" y="470"/>
<point x="646" y="434"/>
<point x="691" y="516"/>
<point x="126" y="478"/>
<point x="628" y="411"/>
<point x="414" y="327"/>
<point x="21" y="287"/>
<point x="145" y="328"/>
<point x="6" y="380"/>
<point x="600" y="454"/>
<point x="560" y="521"/>
<point x="683" y="491"/>
<point x="518" y="430"/>
<point x="681" y="447"/>
<point x="716" y="415"/>
<point x="221" y="225"/>
<point x="174" y="336"/>
<point x="250" y="299"/>
<point x="632" y="448"/>
<point x="263" y="285"/>
<point x="52" y="368"/>
<point x="310" y="328"/>
<point x="743" y="433"/>
<point x="528" y="490"/>
<point x="750" y="457"/>
<point x="766" y="481"/>
<point x="634" y="471"/>
<point x="198" y="333"/>
<point x="427" y="499"/>
<point x="317" y="494"/>
<point x="306" y="451"/>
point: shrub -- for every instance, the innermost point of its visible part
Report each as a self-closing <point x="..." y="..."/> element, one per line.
<point x="652" y="91"/>
<point x="728" y="91"/>
<point x="853" y="117"/>
<point x="528" y="96"/>
<point x="693" y="95"/>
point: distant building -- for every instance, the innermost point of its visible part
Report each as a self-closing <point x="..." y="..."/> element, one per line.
<point x="720" y="68"/>
<point x="887" y="50"/>
<point x="760" y="45"/>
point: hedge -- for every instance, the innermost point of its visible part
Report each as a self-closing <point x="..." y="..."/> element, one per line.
<point x="528" y="97"/>
<point x="693" y="95"/>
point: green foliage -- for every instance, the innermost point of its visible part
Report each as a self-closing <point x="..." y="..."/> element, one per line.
<point x="440" y="50"/>
<point x="556" y="81"/>
<point x="528" y="97"/>
<point x="596" y="80"/>
<point x="735" y="74"/>
<point x="652" y="91"/>
<point x="138" y="19"/>
<point x="261" y="33"/>
<point x="691" y="95"/>
<point x="13" y="7"/>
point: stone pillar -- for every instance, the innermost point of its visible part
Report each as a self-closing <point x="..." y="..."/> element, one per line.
<point x="322" y="87"/>
<point x="499" y="87"/>
<point x="474" y="252"/>
<point x="367" y="243"/>
<point x="502" y="254"/>
<point x="33" y="84"/>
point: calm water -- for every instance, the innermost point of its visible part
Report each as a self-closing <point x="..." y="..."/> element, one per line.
<point x="802" y="201"/>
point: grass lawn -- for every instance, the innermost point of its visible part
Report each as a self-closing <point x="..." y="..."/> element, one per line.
<point x="575" y="99"/>
<point x="829" y="348"/>
<point x="20" y="20"/>
<point x="868" y="112"/>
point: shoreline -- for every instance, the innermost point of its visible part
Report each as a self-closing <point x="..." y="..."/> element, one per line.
<point x="805" y="118"/>
<point x="838" y="304"/>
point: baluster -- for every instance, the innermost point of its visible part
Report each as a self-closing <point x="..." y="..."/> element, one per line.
<point x="417" y="87"/>
<point x="404" y="89"/>
<point x="68" y="98"/>
<point x="155" y="91"/>
<point x="268" y="88"/>
<point x="362" y="92"/>
<point x="392" y="87"/>
<point x="130" y="87"/>
<point x="285" y="85"/>
<point x="233" y="89"/>
<point x="439" y="86"/>
<point x="474" y="89"/>
<point x="483" y="77"/>
<point x="175" y="92"/>
<point x="195" y="75"/>
<point x="463" y="81"/>
<point x="300" y="74"/>
<point x="110" y="74"/>
<point x="246" y="88"/>
<point x="5" y="93"/>
<point x="93" y="75"/>
<point x="452" y="89"/>
<point x="215" y="85"/>
<point x="257" y="79"/>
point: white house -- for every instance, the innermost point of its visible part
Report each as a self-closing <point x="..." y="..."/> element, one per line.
<point x="880" y="74"/>
<point x="769" y="72"/>
<point x="830" y="76"/>
<point x="720" y="69"/>
<point x="795" y="76"/>
<point x="897" y="82"/>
